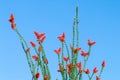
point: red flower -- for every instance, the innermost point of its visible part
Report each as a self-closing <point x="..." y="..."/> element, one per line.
<point x="13" y="26"/>
<point x="62" y="38"/>
<point x="66" y="58"/>
<point x="95" y="70"/>
<point x="39" y="49"/>
<point x="61" y="68"/>
<point x="97" y="78"/>
<point x="45" y="77"/>
<point x="42" y="39"/>
<point x="103" y="64"/>
<point x="75" y="50"/>
<point x="35" y="57"/>
<point x="36" y="34"/>
<point x="84" y="53"/>
<point x="45" y="60"/>
<point x="91" y="43"/>
<point x="33" y="44"/>
<point x="11" y="20"/>
<point x="57" y="51"/>
<point x="69" y="66"/>
<point x="68" y="72"/>
<point x="37" y="75"/>
<point x="79" y="66"/>
<point x="39" y="36"/>
<point x="86" y="71"/>
<point x="27" y="50"/>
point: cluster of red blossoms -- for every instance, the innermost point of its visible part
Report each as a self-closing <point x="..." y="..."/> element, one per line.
<point x="36" y="62"/>
<point x="79" y="64"/>
<point x="69" y="66"/>
<point x="11" y="20"/>
<point x="40" y="39"/>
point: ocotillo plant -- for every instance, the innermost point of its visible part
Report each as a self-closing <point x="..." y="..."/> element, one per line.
<point x="40" y="62"/>
<point x="69" y="66"/>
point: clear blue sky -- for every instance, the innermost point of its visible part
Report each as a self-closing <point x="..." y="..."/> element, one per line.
<point x="99" y="21"/>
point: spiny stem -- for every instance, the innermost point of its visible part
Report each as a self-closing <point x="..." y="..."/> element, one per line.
<point x="62" y="54"/>
<point x="63" y="76"/>
<point x="29" y="60"/>
<point x="80" y="76"/>
<point x="66" y="71"/>
<point x="40" y="61"/>
<point x="58" y="58"/>
<point x="101" y="72"/>
<point x="86" y="58"/>
<point x="77" y="32"/>
<point x="73" y="43"/>
<point x="91" y="76"/>
<point x="84" y="65"/>
<point x="67" y="51"/>
<point x="89" y="50"/>
<point x="43" y="52"/>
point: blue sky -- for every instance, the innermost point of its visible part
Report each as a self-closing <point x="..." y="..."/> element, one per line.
<point x="99" y="21"/>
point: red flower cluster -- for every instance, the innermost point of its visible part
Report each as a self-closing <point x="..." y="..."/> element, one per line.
<point x="68" y="66"/>
<point x="45" y="77"/>
<point x="37" y="75"/>
<point x="97" y="78"/>
<point x="32" y="44"/>
<point x="91" y="43"/>
<point x="11" y="20"/>
<point x="58" y="51"/>
<point x="95" y="70"/>
<point x="27" y="50"/>
<point x="103" y="64"/>
<point x="66" y="58"/>
<point x="75" y="50"/>
<point x="40" y="37"/>
<point x="35" y="57"/>
<point x="62" y="38"/>
<point x="79" y="66"/>
<point x="87" y="71"/>
<point x="84" y="53"/>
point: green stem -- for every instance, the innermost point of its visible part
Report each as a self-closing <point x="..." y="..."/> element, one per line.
<point x="40" y="62"/>
<point x="63" y="78"/>
<point x="62" y="54"/>
<point x="73" y="43"/>
<point x="43" y="54"/>
<point x="84" y="65"/>
<point x="41" y="67"/>
<point x="86" y="58"/>
<point x="73" y="74"/>
<point x="77" y="76"/>
<point x="67" y="51"/>
<point x="59" y="58"/>
<point x="80" y="76"/>
<point x="28" y="55"/>
<point x="89" y="50"/>
<point x="63" y="74"/>
<point x="91" y="76"/>
<point x="101" y="72"/>
<point x="66" y="71"/>
<point x="31" y="69"/>
<point x="77" y="32"/>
